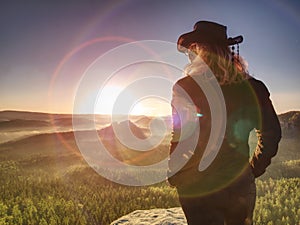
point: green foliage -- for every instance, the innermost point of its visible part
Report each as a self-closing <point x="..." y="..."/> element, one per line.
<point x="278" y="201"/>
<point x="82" y="197"/>
<point x="79" y="197"/>
<point x="42" y="182"/>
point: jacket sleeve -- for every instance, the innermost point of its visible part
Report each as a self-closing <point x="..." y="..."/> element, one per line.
<point x="268" y="133"/>
<point x="184" y="117"/>
<point x="184" y="124"/>
<point x="176" y="122"/>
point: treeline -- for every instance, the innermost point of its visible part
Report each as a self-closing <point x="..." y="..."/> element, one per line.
<point x="82" y="197"/>
<point x="278" y="202"/>
<point x="79" y="197"/>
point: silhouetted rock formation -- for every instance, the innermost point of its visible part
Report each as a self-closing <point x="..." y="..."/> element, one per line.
<point x="290" y="123"/>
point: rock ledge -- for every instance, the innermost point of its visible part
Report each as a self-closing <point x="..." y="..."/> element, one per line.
<point x="172" y="216"/>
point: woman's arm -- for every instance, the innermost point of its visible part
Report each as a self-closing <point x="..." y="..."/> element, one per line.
<point x="268" y="133"/>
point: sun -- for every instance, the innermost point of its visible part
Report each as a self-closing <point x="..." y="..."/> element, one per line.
<point x="151" y="106"/>
<point x="148" y="105"/>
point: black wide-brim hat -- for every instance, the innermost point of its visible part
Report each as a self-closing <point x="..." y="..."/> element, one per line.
<point x="207" y="32"/>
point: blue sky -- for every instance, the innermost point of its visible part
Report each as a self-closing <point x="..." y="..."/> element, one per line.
<point x="37" y="36"/>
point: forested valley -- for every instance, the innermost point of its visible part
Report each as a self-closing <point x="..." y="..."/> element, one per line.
<point x="43" y="182"/>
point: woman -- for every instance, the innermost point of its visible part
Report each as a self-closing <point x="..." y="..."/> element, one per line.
<point x="224" y="192"/>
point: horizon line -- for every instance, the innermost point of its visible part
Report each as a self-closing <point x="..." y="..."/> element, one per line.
<point x="121" y="114"/>
<point x="65" y="113"/>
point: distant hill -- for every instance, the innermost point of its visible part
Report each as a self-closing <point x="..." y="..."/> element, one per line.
<point x="290" y="123"/>
<point x="24" y="115"/>
<point x="52" y="152"/>
<point x="63" y="144"/>
<point x="28" y="135"/>
<point x="121" y="151"/>
<point x="108" y="132"/>
<point x="290" y="117"/>
<point x="17" y="124"/>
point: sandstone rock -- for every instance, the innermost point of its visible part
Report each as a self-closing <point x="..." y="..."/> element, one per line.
<point x="172" y="216"/>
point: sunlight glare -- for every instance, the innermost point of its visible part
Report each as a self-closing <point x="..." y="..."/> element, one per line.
<point x="106" y="99"/>
<point x="151" y="106"/>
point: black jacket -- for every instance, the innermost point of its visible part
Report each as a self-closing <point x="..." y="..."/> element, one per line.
<point x="248" y="107"/>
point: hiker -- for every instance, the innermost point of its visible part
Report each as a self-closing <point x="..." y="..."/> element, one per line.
<point x="224" y="192"/>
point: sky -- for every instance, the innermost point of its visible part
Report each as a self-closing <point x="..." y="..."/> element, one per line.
<point x="49" y="47"/>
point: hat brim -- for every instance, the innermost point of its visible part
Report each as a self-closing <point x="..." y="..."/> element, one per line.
<point x="185" y="40"/>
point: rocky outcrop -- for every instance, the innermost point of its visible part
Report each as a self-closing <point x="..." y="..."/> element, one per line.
<point x="172" y="216"/>
<point x="290" y="124"/>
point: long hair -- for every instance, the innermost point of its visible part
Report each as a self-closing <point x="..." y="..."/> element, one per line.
<point x="219" y="59"/>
